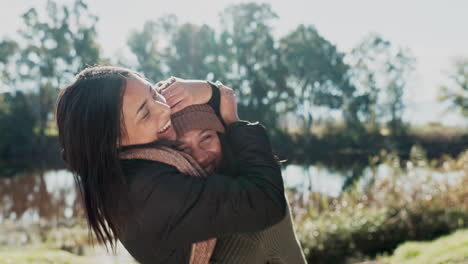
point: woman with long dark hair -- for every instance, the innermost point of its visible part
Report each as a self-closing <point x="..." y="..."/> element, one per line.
<point x="154" y="208"/>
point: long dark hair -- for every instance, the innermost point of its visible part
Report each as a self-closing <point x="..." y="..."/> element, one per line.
<point x="89" y="120"/>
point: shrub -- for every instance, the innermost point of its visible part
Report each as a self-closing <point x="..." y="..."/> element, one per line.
<point x="368" y="220"/>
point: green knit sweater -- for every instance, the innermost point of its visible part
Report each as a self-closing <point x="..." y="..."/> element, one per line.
<point x="275" y="245"/>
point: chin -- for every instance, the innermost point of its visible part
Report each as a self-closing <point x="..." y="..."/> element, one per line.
<point x="216" y="167"/>
<point x="211" y="168"/>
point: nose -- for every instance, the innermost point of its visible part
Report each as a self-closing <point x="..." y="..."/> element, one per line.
<point x="201" y="156"/>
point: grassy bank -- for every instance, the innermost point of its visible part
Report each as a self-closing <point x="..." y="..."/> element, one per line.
<point x="368" y="220"/>
<point x="451" y="249"/>
<point x="45" y="243"/>
<point x="41" y="256"/>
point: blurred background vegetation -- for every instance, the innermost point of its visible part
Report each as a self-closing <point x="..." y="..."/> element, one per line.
<point x="324" y="108"/>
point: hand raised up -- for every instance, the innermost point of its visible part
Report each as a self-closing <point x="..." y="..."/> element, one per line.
<point x="180" y="93"/>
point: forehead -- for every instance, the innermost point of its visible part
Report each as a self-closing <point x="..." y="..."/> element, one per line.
<point x="136" y="90"/>
<point x="193" y="135"/>
<point x="135" y="87"/>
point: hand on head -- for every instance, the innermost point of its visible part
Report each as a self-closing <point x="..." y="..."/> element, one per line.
<point x="180" y="93"/>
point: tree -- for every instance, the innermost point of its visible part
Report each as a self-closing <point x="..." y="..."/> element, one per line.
<point x="252" y="62"/>
<point x="54" y="46"/>
<point x="8" y="50"/>
<point x="194" y="52"/>
<point x="17" y="123"/>
<point x="148" y="46"/>
<point x="455" y="91"/>
<point x="163" y="48"/>
<point x="365" y="62"/>
<point x="319" y="76"/>
<point x="380" y="73"/>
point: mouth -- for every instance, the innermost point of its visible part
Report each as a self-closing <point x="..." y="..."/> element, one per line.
<point x="210" y="167"/>
<point x="166" y="130"/>
<point x="165" y="127"/>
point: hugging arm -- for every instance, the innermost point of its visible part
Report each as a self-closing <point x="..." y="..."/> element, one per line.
<point x="180" y="209"/>
<point x="177" y="208"/>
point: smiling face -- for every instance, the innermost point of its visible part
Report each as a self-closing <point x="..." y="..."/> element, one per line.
<point x="204" y="146"/>
<point x="146" y="116"/>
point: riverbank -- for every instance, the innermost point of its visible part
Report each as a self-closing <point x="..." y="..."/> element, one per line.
<point x="396" y="201"/>
<point x="44" y="255"/>
<point x="450" y="249"/>
<point x="40" y="256"/>
<point x="409" y="203"/>
<point x="46" y="242"/>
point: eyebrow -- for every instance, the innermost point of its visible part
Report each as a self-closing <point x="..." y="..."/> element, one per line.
<point x="144" y="103"/>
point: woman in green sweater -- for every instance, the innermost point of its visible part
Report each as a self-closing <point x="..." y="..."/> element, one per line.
<point x="201" y="135"/>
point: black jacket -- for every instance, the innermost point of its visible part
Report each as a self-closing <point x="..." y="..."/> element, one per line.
<point x="172" y="210"/>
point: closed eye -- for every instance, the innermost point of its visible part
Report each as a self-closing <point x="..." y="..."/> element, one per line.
<point x="206" y="137"/>
<point x="146" y="115"/>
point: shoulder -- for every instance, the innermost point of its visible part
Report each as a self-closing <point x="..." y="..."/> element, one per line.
<point x="149" y="188"/>
<point x="145" y="176"/>
<point x="137" y="167"/>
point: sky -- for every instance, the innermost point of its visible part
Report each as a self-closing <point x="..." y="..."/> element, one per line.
<point x="435" y="32"/>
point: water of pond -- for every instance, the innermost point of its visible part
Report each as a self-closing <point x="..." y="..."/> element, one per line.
<point x="51" y="194"/>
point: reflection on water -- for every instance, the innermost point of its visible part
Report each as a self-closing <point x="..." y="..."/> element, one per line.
<point x="51" y="195"/>
<point x="42" y="206"/>
<point x="314" y="179"/>
<point x="48" y="195"/>
<point x="317" y="179"/>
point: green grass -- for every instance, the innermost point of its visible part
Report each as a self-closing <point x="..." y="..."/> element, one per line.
<point x="451" y="249"/>
<point x="40" y="256"/>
